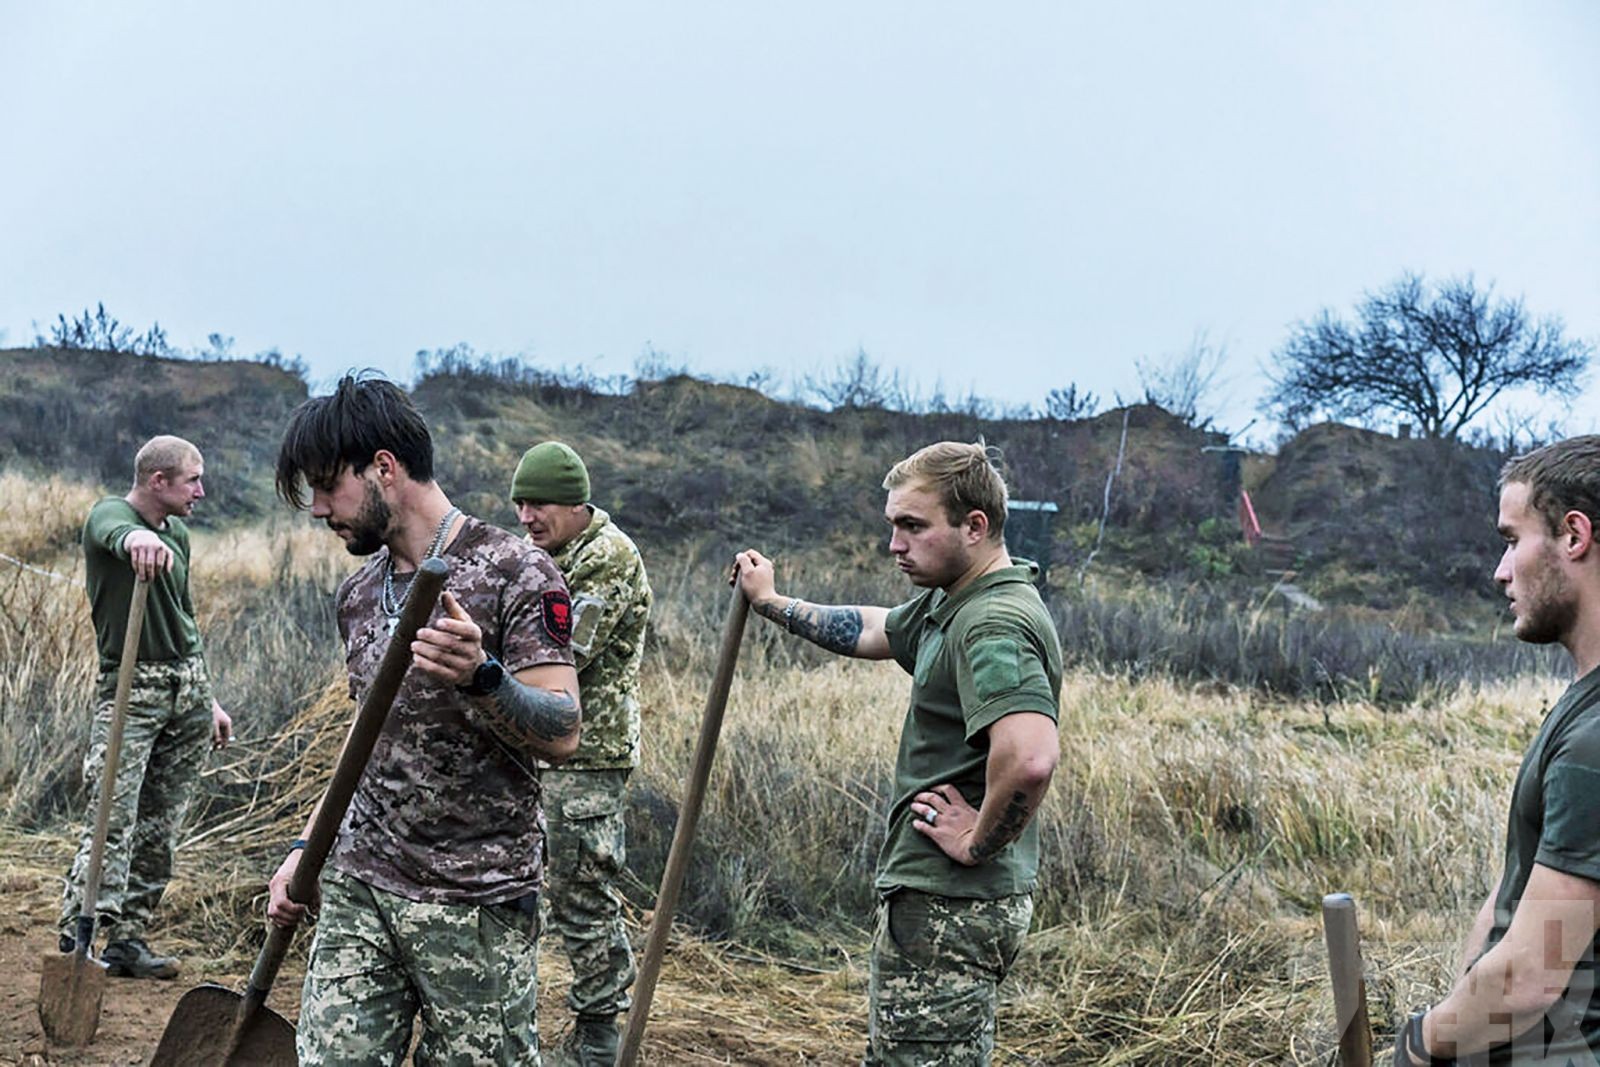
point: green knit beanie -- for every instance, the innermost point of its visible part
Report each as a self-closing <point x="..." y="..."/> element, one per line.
<point x="551" y="473"/>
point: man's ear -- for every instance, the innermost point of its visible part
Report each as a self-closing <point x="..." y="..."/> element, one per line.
<point x="386" y="465"/>
<point x="1577" y="534"/>
<point x="978" y="523"/>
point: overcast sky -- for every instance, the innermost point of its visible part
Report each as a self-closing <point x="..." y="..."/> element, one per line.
<point x="1003" y="198"/>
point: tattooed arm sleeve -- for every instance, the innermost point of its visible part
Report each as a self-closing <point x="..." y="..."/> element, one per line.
<point x="531" y="718"/>
<point x="843" y="629"/>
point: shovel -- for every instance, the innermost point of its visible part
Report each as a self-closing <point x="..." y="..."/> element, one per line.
<point x="213" y="1026"/>
<point x="71" y="986"/>
<point x="683" y="835"/>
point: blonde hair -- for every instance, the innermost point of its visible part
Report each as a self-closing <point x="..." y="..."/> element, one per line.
<point x="162" y="455"/>
<point x="963" y="476"/>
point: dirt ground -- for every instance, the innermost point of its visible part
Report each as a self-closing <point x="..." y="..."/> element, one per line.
<point x="709" y="1007"/>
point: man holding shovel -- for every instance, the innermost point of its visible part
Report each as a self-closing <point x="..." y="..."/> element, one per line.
<point x="171" y="711"/>
<point x="977" y="751"/>
<point x="583" y="799"/>
<point x="430" y="898"/>
<point x="1526" y="993"/>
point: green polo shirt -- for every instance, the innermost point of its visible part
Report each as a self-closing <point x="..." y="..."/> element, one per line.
<point x="974" y="658"/>
<point x="169" y="631"/>
<point x="1555" y="822"/>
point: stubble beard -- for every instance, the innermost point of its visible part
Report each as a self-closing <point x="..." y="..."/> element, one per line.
<point x="371" y="524"/>
<point x="941" y="571"/>
<point x="1548" y="609"/>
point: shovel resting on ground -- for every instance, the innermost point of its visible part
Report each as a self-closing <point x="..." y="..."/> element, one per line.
<point x="72" y="985"/>
<point x="705" y="749"/>
<point x="213" y="1026"/>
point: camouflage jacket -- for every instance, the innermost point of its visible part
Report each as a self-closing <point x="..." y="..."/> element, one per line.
<point x="610" y="606"/>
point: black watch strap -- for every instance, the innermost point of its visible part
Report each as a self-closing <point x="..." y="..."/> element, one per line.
<point x="1410" y="1049"/>
<point x="486" y="679"/>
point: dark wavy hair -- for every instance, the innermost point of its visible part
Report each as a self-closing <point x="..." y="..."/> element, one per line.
<point x="365" y="413"/>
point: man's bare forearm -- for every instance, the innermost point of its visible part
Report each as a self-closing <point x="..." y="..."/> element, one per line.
<point x="529" y="718"/>
<point x="1005" y="827"/>
<point x="837" y="629"/>
<point x="1022" y="759"/>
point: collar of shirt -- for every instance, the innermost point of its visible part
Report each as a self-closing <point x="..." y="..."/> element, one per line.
<point x="945" y="606"/>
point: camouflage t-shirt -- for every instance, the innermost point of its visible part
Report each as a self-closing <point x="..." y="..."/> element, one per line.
<point x="445" y="813"/>
<point x="610" y="606"/>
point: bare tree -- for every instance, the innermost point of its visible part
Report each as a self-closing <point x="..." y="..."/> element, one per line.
<point x="1437" y="357"/>
<point x="1182" y="383"/>
<point x="858" y="382"/>
<point x="1070" y="403"/>
<point x="100" y="330"/>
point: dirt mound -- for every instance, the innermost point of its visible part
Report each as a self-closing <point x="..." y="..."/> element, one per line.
<point x="1372" y="517"/>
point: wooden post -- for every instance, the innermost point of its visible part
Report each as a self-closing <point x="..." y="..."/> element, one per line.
<point x="1349" y="986"/>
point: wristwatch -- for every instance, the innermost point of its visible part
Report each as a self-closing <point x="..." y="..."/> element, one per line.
<point x="1409" y="1050"/>
<point x="485" y="680"/>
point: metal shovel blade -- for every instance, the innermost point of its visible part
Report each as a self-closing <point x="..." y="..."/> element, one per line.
<point x="71" y="987"/>
<point x="202" y="1028"/>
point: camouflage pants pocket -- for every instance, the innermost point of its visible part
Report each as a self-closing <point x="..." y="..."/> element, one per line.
<point x="378" y="961"/>
<point x="587" y="850"/>
<point x="164" y="741"/>
<point x="936" y="967"/>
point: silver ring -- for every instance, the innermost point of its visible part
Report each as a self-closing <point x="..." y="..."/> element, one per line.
<point x="928" y="818"/>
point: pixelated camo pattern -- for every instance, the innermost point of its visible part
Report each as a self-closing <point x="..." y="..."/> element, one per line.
<point x="937" y="963"/>
<point x="164" y="739"/>
<point x="444" y="813"/>
<point x="611" y="606"/>
<point x="587" y="851"/>
<point x="470" y="972"/>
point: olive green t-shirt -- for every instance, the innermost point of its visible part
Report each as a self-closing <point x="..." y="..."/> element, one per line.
<point x="1555" y="821"/>
<point x="985" y="653"/>
<point x="169" y="630"/>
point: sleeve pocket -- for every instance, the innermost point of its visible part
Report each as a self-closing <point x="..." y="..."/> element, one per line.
<point x="996" y="669"/>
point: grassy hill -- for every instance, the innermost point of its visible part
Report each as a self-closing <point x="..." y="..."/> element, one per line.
<point x="82" y="414"/>
<point x="696" y="468"/>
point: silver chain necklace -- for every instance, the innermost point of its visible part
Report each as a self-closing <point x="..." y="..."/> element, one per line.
<point x="391" y="603"/>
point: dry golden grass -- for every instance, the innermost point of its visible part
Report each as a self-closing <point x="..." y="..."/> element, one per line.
<point x="1190" y="833"/>
<point x="42" y="517"/>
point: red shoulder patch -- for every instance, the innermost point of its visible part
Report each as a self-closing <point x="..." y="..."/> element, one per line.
<point x="556" y="607"/>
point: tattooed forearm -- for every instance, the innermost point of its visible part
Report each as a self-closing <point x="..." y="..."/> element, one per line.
<point x="527" y="717"/>
<point x="1011" y="823"/>
<point x="835" y="629"/>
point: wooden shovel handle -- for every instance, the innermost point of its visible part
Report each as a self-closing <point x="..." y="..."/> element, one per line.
<point x="683" y="836"/>
<point x="108" y="776"/>
<point x="420" y="600"/>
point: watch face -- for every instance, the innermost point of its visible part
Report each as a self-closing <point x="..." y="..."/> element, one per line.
<point x="487" y="678"/>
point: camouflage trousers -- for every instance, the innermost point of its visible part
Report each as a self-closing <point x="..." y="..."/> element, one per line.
<point x="164" y="739"/>
<point x="378" y="960"/>
<point x="937" y="963"/>
<point x="587" y="849"/>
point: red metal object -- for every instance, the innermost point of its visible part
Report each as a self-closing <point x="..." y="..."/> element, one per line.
<point x="1248" y="523"/>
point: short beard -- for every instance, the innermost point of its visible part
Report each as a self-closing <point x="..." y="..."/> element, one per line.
<point x="371" y="526"/>
<point x="1550" y="610"/>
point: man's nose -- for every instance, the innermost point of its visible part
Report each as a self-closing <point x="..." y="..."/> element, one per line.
<point x="1502" y="573"/>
